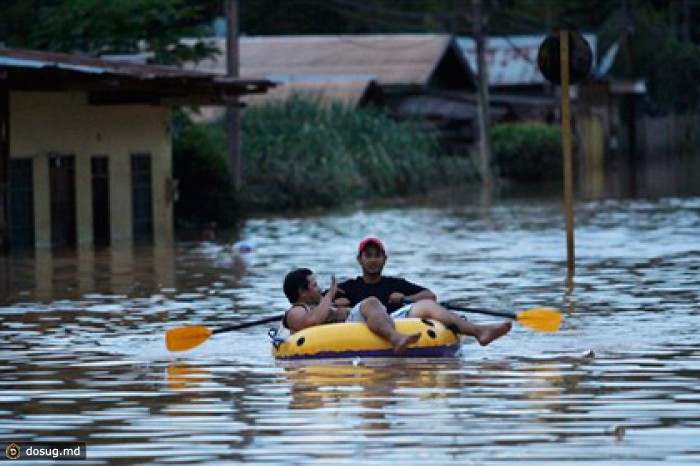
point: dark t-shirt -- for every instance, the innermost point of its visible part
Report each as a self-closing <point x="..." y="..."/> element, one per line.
<point x="356" y="290"/>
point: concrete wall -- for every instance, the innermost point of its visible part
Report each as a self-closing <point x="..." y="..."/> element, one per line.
<point x="52" y="123"/>
<point x="667" y="135"/>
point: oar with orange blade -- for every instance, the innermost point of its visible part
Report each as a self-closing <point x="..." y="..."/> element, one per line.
<point x="187" y="338"/>
<point x="542" y="319"/>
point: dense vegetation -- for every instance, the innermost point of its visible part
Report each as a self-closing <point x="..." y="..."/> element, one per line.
<point x="107" y="27"/>
<point x="300" y="154"/>
<point x="201" y="168"/>
<point x="658" y="39"/>
<point x="527" y="152"/>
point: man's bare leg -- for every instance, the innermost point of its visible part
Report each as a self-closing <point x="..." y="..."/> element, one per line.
<point x="380" y="323"/>
<point x="484" y="333"/>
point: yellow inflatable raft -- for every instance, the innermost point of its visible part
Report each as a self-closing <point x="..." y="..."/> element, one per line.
<point x="349" y="340"/>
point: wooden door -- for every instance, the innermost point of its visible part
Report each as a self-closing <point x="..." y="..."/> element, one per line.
<point x="99" y="166"/>
<point x="63" y="210"/>
<point x="21" y="204"/>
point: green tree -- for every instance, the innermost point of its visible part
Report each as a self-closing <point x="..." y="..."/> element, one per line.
<point x="104" y="27"/>
<point x="654" y="50"/>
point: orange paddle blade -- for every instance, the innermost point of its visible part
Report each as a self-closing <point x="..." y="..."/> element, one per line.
<point x="541" y="319"/>
<point x="186" y="338"/>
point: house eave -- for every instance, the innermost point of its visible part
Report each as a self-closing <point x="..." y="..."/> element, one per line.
<point x="115" y="83"/>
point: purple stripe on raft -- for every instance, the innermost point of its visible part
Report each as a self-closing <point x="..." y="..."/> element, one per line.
<point x="426" y="352"/>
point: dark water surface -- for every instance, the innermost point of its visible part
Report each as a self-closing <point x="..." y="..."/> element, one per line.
<point x="83" y="358"/>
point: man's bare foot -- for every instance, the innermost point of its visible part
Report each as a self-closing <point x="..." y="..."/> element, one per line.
<point x="491" y="332"/>
<point x="401" y="341"/>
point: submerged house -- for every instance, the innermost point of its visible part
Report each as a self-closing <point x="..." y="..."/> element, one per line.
<point x="519" y="92"/>
<point x="85" y="146"/>
<point x="517" y="89"/>
<point x="417" y="76"/>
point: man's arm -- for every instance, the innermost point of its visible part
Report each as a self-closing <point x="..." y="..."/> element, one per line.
<point x="341" y="297"/>
<point x="299" y="319"/>
<point x="424" y="294"/>
<point x="341" y="300"/>
<point x="407" y="291"/>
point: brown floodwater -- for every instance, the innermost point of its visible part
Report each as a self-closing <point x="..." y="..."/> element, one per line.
<point x="83" y="358"/>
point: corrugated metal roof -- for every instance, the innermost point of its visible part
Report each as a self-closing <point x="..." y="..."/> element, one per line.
<point x="402" y="59"/>
<point x="119" y="81"/>
<point x="512" y="60"/>
<point x="17" y="58"/>
<point x="348" y="92"/>
<point x="432" y="106"/>
<point x="27" y="63"/>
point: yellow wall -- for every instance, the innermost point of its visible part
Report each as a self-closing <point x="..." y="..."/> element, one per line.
<point x="48" y="123"/>
<point x="592" y="151"/>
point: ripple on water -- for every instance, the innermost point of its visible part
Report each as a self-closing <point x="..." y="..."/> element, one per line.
<point x="617" y="385"/>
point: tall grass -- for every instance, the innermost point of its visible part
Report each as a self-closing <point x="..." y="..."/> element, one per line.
<point x="301" y="154"/>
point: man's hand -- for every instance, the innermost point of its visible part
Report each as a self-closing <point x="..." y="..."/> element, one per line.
<point x="340" y="314"/>
<point x="396" y="298"/>
<point x="334" y="287"/>
<point x="342" y="302"/>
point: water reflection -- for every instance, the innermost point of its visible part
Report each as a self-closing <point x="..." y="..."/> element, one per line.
<point x="182" y="376"/>
<point x="122" y="270"/>
<point x="662" y="176"/>
<point x="47" y="275"/>
<point x="373" y="383"/>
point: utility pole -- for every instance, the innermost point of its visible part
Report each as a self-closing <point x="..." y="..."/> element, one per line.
<point x="4" y="163"/>
<point x="686" y="20"/>
<point x="483" y="96"/>
<point x="627" y="28"/>
<point x="549" y="87"/>
<point x="232" y="115"/>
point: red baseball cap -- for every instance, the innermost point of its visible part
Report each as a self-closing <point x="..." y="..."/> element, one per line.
<point x="371" y="239"/>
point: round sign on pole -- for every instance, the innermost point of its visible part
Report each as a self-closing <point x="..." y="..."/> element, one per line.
<point x="580" y="58"/>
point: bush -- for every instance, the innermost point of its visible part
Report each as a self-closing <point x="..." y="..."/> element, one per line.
<point x="527" y="152"/>
<point x="200" y="165"/>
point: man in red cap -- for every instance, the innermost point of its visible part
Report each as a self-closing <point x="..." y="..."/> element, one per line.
<point x="394" y="293"/>
<point x="310" y="308"/>
<point x="391" y="291"/>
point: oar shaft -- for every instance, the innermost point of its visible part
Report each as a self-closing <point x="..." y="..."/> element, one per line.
<point x="508" y="315"/>
<point x="230" y="328"/>
<point x="247" y="324"/>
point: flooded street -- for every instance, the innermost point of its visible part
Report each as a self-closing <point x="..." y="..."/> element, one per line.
<point x="83" y="357"/>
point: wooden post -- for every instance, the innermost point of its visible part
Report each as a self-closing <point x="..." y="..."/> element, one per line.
<point x="686" y="21"/>
<point x="483" y="97"/>
<point x="566" y="146"/>
<point x="4" y="164"/>
<point x="232" y="114"/>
